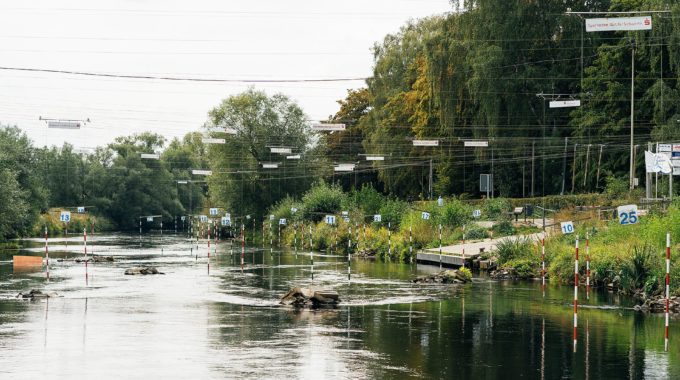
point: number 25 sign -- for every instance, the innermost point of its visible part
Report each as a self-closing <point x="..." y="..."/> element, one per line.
<point x="628" y="214"/>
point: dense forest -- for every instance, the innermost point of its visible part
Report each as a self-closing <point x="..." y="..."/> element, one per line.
<point x="485" y="71"/>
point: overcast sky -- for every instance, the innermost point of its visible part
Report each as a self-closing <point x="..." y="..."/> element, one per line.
<point x="236" y="39"/>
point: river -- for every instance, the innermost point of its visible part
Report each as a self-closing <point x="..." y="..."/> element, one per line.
<point x="224" y="321"/>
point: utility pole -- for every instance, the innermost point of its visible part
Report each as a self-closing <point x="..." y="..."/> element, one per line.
<point x="632" y="115"/>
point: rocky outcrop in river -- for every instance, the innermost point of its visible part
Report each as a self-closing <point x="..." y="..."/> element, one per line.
<point x="453" y="276"/>
<point x="310" y="297"/>
<point x="97" y="259"/>
<point x="657" y="304"/>
<point x="142" y="271"/>
<point x="36" y="294"/>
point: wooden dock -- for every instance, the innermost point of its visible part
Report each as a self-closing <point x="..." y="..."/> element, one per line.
<point x="445" y="260"/>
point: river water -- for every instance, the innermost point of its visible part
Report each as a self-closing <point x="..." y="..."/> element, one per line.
<point x="224" y="321"/>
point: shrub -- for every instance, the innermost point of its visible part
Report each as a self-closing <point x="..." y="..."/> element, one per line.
<point x="392" y="212"/>
<point x="504" y="228"/>
<point x="368" y="199"/>
<point x="322" y="199"/>
<point x="511" y="249"/>
<point x="496" y="208"/>
<point x="454" y="213"/>
<point x="525" y="267"/>
<point x="466" y="273"/>
<point x="475" y="232"/>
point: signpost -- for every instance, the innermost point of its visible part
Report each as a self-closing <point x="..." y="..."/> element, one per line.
<point x="567" y="227"/>
<point x="476" y="213"/>
<point x="213" y="211"/>
<point x="65" y="216"/>
<point x="485" y="183"/>
<point x="628" y="214"/>
<point x="426" y="215"/>
<point x="330" y="219"/>
<point x="377" y="218"/>
<point x="81" y="210"/>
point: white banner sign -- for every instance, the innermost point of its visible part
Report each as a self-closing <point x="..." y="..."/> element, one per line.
<point x="618" y="23"/>
<point x="151" y="156"/>
<point x="281" y="150"/>
<point x="213" y="141"/>
<point x="328" y="127"/>
<point x="480" y="144"/>
<point x="665" y="147"/>
<point x="425" y="142"/>
<point x="201" y="172"/>
<point x="270" y="165"/>
<point x="565" y="103"/>
<point x="375" y="158"/>
<point x="657" y="163"/>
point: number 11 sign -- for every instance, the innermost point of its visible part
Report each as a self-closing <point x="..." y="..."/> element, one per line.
<point x="628" y="214"/>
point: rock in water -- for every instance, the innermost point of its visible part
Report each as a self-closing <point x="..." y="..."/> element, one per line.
<point x="444" y="277"/>
<point x="142" y="271"/>
<point x="35" y="294"/>
<point x="309" y="297"/>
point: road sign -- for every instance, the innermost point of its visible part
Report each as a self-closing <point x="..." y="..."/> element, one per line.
<point x="330" y="219"/>
<point x="476" y="213"/>
<point x="214" y="211"/>
<point x="377" y="218"/>
<point x="81" y="210"/>
<point x="282" y="222"/>
<point x="65" y="216"/>
<point x="618" y="23"/>
<point x="628" y="214"/>
<point x="485" y="183"/>
<point x="426" y="215"/>
<point x="567" y="227"/>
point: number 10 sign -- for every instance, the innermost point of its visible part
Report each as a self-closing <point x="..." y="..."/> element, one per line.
<point x="628" y="214"/>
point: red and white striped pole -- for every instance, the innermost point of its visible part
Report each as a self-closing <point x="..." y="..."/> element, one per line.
<point x="47" y="258"/>
<point x="463" y="242"/>
<point x="243" y="244"/>
<point x="543" y="261"/>
<point x="208" y="243"/>
<point x="575" y="293"/>
<point x="668" y="283"/>
<point x="587" y="264"/>
<point x="85" y="249"/>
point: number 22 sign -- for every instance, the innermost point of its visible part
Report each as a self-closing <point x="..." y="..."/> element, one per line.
<point x="627" y="214"/>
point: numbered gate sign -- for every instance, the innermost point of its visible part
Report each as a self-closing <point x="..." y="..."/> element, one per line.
<point x="345" y="213"/>
<point x="183" y="218"/>
<point x="476" y="213"/>
<point x="149" y="218"/>
<point x="440" y="202"/>
<point x="282" y="222"/>
<point x="248" y="217"/>
<point x="330" y="219"/>
<point x="271" y="217"/>
<point x="213" y="211"/>
<point x="65" y="216"/>
<point x="628" y="214"/>
<point x="293" y="210"/>
<point x="226" y="222"/>
<point x="203" y="218"/>
<point x="426" y="215"/>
<point x="81" y="210"/>
<point x="567" y="227"/>
<point x="377" y="218"/>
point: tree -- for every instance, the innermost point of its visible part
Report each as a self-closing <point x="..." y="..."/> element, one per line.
<point x="239" y="182"/>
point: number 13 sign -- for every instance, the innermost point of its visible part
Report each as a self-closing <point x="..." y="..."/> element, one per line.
<point x="628" y="214"/>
